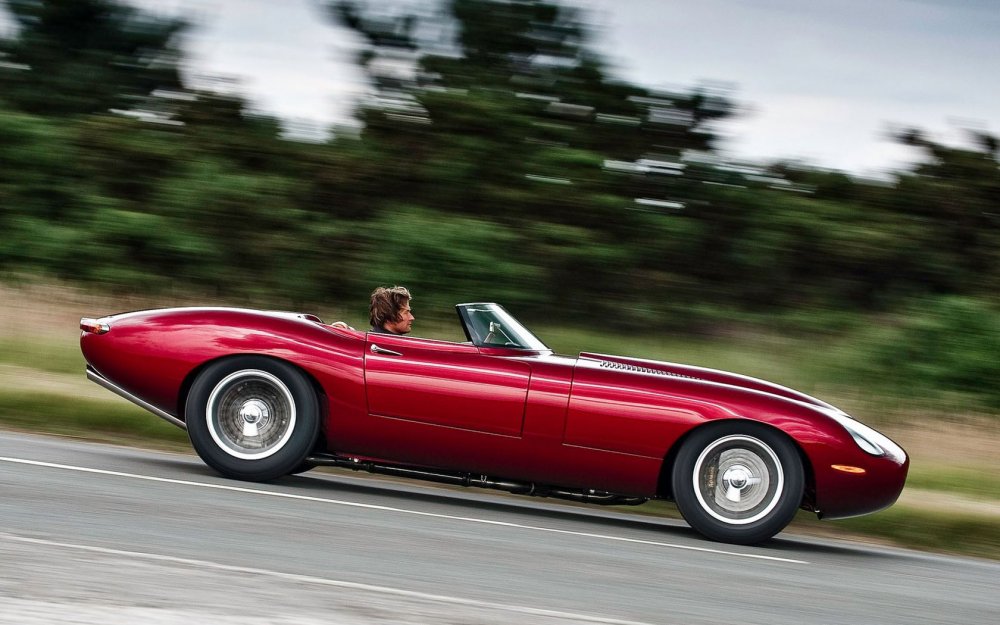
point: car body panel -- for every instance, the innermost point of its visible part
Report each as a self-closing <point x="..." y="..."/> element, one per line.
<point x="443" y="383"/>
<point x="602" y="422"/>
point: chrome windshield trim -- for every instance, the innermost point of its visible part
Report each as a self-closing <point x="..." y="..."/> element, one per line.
<point x="509" y="332"/>
<point x="96" y="377"/>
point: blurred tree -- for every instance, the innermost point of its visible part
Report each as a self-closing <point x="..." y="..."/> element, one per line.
<point x="86" y="56"/>
<point x="43" y="202"/>
<point x="952" y="199"/>
<point x="541" y="84"/>
<point x="940" y="343"/>
<point x="498" y="159"/>
<point x="499" y="110"/>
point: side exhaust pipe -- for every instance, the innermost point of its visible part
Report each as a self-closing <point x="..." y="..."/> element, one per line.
<point x="479" y="481"/>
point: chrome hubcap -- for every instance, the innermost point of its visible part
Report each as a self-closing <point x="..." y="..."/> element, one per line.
<point x="738" y="479"/>
<point x="251" y="414"/>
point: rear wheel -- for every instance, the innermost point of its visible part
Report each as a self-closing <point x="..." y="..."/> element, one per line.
<point x="252" y="418"/>
<point x="738" y="482"/>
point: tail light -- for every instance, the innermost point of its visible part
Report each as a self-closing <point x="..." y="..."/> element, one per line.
<point x="94" y="326"/>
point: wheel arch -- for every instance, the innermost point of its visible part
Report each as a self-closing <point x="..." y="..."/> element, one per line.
<point x="321" y="398"/>
<point x="664" y="488"/>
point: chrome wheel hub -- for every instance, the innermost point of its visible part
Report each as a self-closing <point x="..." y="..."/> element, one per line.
<point x="738" y="479"/>
<point x="253" y="411"/>
<point x="251" y="414"/>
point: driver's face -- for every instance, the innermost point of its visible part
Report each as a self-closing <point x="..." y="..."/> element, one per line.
<point x="405" y="323"/>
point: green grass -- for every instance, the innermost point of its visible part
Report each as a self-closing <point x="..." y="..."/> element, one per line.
<point x="50" y="355"/>
<point x="969" y="481"/>
<point x="931" y="530"/>
<point x="87" y="418"/>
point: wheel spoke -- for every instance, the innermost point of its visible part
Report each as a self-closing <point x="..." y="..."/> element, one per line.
<point x="250" y="429"/>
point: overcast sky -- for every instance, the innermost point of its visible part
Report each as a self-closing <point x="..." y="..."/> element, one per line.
<point x="819" y="80"/>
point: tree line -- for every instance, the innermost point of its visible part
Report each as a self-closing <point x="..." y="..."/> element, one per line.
<point x="498" y="159"/>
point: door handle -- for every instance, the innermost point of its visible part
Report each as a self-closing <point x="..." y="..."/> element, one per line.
<point x="385" y="352"/>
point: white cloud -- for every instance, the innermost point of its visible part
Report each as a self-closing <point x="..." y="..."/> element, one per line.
<point x="823" y="80"/>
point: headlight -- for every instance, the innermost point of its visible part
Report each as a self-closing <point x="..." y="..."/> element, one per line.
<point x="869" y="440"/>
<point x="865" y="444"/>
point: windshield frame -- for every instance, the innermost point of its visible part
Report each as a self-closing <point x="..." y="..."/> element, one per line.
<point x="509" y="333"/>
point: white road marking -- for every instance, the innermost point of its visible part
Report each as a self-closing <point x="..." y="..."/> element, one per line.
<point x="323" y="581"/>
<point x="338" y="502"/>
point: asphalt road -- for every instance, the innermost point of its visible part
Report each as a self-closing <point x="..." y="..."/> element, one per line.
<point x="101" y="534"/>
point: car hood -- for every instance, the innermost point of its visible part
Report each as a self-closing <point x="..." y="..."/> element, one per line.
<point x="640" y="365"/>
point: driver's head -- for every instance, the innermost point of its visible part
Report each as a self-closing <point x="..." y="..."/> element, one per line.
<point x="390" y="309"/>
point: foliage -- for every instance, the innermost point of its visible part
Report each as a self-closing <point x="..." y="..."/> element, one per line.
<point x="86" y="56"/>
<point x="499" y="159"/>
<point x="940" y="344"/>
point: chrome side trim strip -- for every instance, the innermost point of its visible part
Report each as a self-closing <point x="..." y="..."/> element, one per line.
<point x="94" y="376"/>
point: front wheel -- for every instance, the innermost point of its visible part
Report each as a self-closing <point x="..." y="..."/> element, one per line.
<point x="738" y="482"/>
<point x="252" y="418"/>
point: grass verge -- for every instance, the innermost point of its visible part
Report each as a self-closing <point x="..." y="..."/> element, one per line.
<point x="960" y="480"/>
<point x="49" y="356"/>
<point x="90" y="419"/>
<point x="952" y="532"/>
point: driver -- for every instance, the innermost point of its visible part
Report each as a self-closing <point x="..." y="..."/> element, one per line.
<point x="390" y="312"/>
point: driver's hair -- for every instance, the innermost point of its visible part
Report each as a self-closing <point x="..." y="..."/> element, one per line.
<point x="387" y="302"/>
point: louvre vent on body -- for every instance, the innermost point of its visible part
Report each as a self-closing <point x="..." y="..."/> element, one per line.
<point x="607" y="364"/>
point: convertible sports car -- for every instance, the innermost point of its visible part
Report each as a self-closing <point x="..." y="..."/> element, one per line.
<point x="267" y="394"/>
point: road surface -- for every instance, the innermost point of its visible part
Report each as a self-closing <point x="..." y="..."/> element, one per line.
<point x="99" y="534"/>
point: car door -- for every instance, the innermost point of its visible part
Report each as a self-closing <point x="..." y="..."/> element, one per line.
<point x="445" y="384"/>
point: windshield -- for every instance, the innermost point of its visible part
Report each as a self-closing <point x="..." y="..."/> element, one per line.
<point x="489" y="325"/>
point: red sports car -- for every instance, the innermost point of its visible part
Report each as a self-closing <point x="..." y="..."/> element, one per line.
<point x="266" y="394"/>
